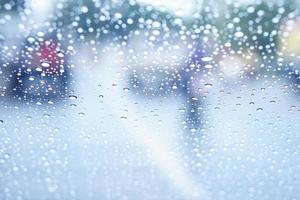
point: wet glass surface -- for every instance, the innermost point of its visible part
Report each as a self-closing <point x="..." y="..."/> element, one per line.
<point x="139" y="99"/>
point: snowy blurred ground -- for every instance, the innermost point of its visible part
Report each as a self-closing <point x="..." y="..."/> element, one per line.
<point x="111" y="144"/>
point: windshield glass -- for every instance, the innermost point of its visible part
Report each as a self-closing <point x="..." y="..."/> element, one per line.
<point x="149" y="99"/>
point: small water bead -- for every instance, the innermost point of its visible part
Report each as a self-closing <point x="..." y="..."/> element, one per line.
<point x="81" y="114"/>
<point x="208" y="66"/>
<point x="130" y="21"/>
<point x="174" y="87"/>
<point x="31" y="78"/>
<point x="38" y="69"/>
<point x="73" y="105"/>
<point x="45" y="64"/>
<point x="181" y="109"/>
<point x="251" y="9"/>
<point x="208" y="85"/>
<point x="30" y="39"/>
<point x="60" y="54"/>
<point x="118" y="15"/>
<point x="259" y="109"/>
<point x="193" y="130"/>
<point x="72" y="97"/>
<point x="292" y="107"/>
<point x="206" y="59"/>
<point x="239" y="34"/>
<point x="84" y="9"/>
<point x="194" y="98"/>
<point x="6" y="156"/>
<point x="47" y="115"/>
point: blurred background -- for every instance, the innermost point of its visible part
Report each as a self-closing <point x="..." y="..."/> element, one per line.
<point x="149" y="99"/>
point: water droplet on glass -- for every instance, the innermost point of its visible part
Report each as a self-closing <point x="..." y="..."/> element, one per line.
<point x="206" y="59"/>
<point x="38" y="69"/>
<point x="239" y="34"/>
<point x="47" y="115"/>
<point x="194" y="98"/>
<point x="193" y="130"/>
<point x="81" y="114"/>
<point x="208" y="85"/>
<point x="181" y="109"/>
<point x="174" y="87"/>
<point x="60" y="54"/>
<point x="73" y="105"/>
<point x="45" y="64"/>
<point x="72" y="97"/>
<point x="125" y="67"/>
<point x="208" y="66"/>
<point x="259" y="109"/>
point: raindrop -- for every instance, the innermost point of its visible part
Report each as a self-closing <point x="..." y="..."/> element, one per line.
<point x="208" y="85"/>
<point x="181" y="109"/>
<point x="45" y="64"/>
<point x="206" y="59"/>
<point x="47" y="115"/>
<point x="72" y="97"/>
<point x="194" y="98"/>
<point x="84" y="9"/>
<point x="238" y="34"/>
<point x="60" y="54"/>
<point x="38" y="69"/>
<point x="125" y="67"/>
<point x="6" y="156"/>
<point x="31" y="39"/>
<point x="259" y="109"/>
<point x="250" y="9"/>
<point x="81" y="114"/>
<point x="193" y="130"/>
<point x="208" y="66"/>
<point x="174" y="87"/>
